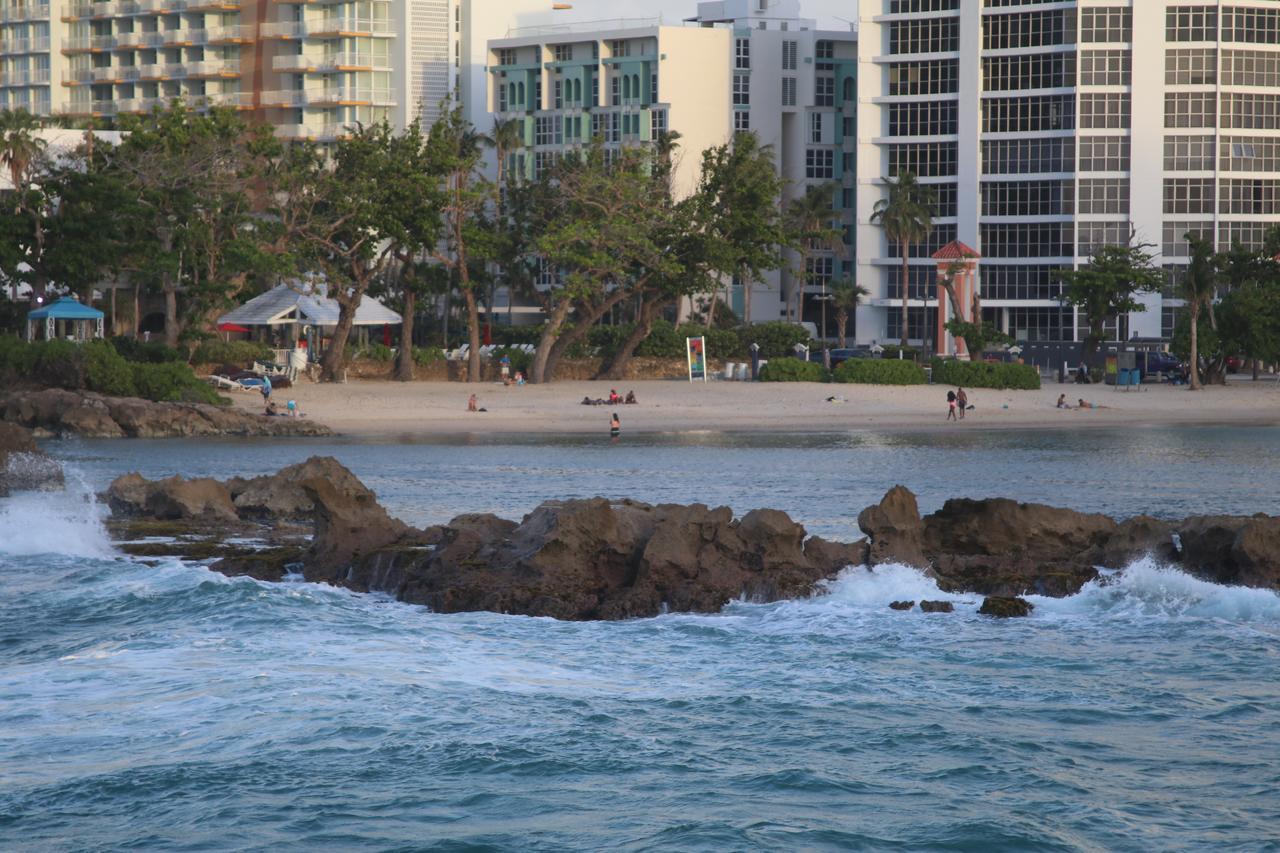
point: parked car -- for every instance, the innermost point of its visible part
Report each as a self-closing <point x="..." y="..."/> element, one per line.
<point x="1159" y="362"/>
<point x="1234" y="363"/>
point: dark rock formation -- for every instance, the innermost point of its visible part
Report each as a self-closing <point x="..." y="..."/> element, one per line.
<point x="54" y="411"/>
<point x="1005" y="608"/>
<point x="894" y="530"/>
<point x="23" y="465"/>
<point x="901" y="605"/>
<point x="1232" y="550"/>
<point x="282" y="495"/>
<point x="937" y="607"/>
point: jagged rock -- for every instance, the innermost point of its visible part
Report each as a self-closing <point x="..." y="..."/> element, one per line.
<point x="201" y="499"/>
<point x="1256" y="553"/>
<point x="937" y="607"/>
<point x="91" y="415"/>
<point x="1138" y="537"/>
<point x="281" y="495"/>
<point x="1005" y="608"/>
<point x="1232" y="550"/>
<point x="350" y="526"/>
<point x="901" y="605"/>
<point x="894" y="530"/>
<point x="127" y="495"/>
<point x="23" y="465"/>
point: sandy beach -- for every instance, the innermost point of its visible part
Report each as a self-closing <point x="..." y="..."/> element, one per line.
<point x="388" y="410"/>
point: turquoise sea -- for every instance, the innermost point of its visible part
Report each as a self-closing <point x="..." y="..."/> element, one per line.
<point x="156" y="705"/>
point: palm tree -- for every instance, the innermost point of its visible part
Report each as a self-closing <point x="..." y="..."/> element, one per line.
<point x="19" y="147"/>
<point x="1198" y="289"/>
<point x="808" y="220"/>
<point x="506" y="137"/>
<point x="907" y="217"/>
<point x="845" y="296"/>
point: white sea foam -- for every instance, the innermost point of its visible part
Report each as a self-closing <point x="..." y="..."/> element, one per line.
<point x="862" y="587"/>
<point x="66" y="522"/>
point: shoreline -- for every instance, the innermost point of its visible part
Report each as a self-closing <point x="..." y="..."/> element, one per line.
<point x="382" y="410"/>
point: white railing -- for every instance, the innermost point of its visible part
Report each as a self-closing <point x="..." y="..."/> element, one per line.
<point x="382" y="97"/>
<point x="26" y="78"/>
<point x="24" y="45"/>
<point x="213" y="67"/>
<point x="376" y="26"/>
<point x="27" y="12"/>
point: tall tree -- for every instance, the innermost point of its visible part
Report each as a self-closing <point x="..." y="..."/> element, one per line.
<point x="809" y="222"/>
<point x="1107" y="287"/>
<point x="21" y="154"/>
<point x="846" y="295"/>
<point x="1198" y="289"/>
<point x="505" y="139"/>
<point x="906" y="215"/>
<point x="741" y="186"/>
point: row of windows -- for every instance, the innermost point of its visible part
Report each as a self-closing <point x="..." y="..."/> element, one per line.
<point x="1027" y="198"/>
<point x="1249" y="154"/>
<point x="1021" y="281"/>
<point x="1028" y="29"/>
<point x="1103" y="196"/>
<point x="1027" y="156"/>
<point x="925" y="159"/>
<point x="1237" y="196"/>
<point x="898" y="7"/>
<point x="929" y="35"/>
<point x="1251" y="111"/>
<point x="1028" y="71"/>
<point x="1174" y="241"/>
<point x="1025" y="115"/>
<point x="1190" y="109"/>
<point x="1026" y="239"/>
<point x="1104" y="154"/>
<point x="1106" y="24"/>
<point x="1188" y="195"/>
<point x="923" y="118"/>
<point x="1200" y="23"/>
<point x="1024" y="324"/>
<point x="1094" y="235"/>
<point x="1251" y="68"/>
<point x="1188" y="153"/>
<point x="819" y="163"/>
<point x="930" y="77"/>
<point x="1105" y="68"/>
<point x="1191" y="67"/>
<point x="1104" y="110"/>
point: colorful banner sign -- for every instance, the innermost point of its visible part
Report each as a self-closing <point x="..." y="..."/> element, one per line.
<point x="697" y="349"/>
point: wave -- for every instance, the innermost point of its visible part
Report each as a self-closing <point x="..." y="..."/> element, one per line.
<point x="66" y="523"/>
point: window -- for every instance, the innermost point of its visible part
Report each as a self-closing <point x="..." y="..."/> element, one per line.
<point x="615" y="89"/>
<point x="1031" y="281"/>
<point x="923" y="118"/>
<point x="1190" y="109"/>
<point x="1026" y="239"/>
<point x="741" y="90"/>
<point x="620" y="47"/>
<point x="742" y="54"/>
<point x="1103" y="195"/>
<point x="1191" y="67"/>
<point x="824" y="90"/>
<point x="1040" y="324"/>
<point x="1029" y="114"/>
<point x="1028" y="71"/>
<point x="741" y="120"/>
<point x="1027" y="198"/>
<point x="825" y="49"/>
<point x="815" y="127"/>
<point x="1191" y="23"/>
<point x="1259" y="26"/>
<point x="1028" y="29"/>
<point x="818" y="270"/>
<point x="898" y="7"/>
<point x="1250" y="196"/>
<point x="562" y="52"/>
<point x="1251" y="235"/>
<point x="658" y="122"/>
<point x="557" y="93"/>
<point x="1174" y="243"/>
<point x="507" y="56"/>
<point x="1188" y="153"/>
<point x="1104" y="110"/>
<point x="819" y="163"/>
<point x="789" y="56"/>
<point x="929" y="35"/>
<point x="1105" y="68"/>
<point x="1106" y="24"/>
<point x="933" y="77"/>
<point x="1251" y="110"/>
<point x="926" y="159"/>
<point x="1249" y="154"/>
<point x="1104" y="154"/>
<point x="1027" y="156"/>
<point x="1188" y="195"/>
<point x="1095" y="235"/>
<point x="1251" y="68"/>
<point x="788" y="91"/>
<point x="502" y="96"/>
<point x="543" y="130"/>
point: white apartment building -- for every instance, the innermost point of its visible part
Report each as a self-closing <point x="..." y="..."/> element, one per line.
<point x="1047" y="129"/>
<point x="310" y="69"/>
<point x="794" y="86"/>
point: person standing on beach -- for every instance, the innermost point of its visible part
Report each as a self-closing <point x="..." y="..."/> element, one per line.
<point x="473" y="404"/>
<point x="266" y="391"/>
<point x="962" y="401"/>
<point x="951" y="405"/>
<point x="615" y="426"/>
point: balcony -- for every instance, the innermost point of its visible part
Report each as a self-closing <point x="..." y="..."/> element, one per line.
<point x="350" y="27"/>
<point x="242" y="34"/>
<point x="283" y="98"/>
<point x="24" y="45"/>
<point x="171" y="71"/>
<point x="328" y="97"/>
<point x="36" y="77"/>
<point x="214" y="68"/>
<point x="27" y="12"/>
<point x="336" y="62"/>
<point x="90" y="108"/>
<point x="81" y="44"/>
<point x="313" y="132"/>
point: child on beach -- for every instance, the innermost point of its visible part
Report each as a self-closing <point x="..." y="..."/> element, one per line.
<point x="473" y="404"/>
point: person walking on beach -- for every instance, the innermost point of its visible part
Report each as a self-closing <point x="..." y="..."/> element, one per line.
<point x="266" y="391"/>
<point x="962" y="401"/>
<point x="615" y="426"/>
<point x="951" y="405"/>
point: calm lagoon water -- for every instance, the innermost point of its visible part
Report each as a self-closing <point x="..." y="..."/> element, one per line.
<point x="165" y="707"/>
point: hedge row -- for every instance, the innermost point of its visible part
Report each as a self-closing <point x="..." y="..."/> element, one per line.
<point x="99" y="366"/>
<point x="879" y="371"/>
<point x="787" y="369"/>
<point x="227" y="352"/>
<point x="984" y="374"/>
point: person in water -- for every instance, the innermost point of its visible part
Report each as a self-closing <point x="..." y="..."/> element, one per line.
<point x="615" y="426"/>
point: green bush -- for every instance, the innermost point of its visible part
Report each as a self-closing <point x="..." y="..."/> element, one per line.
<point x="983" y="374"/>
<point x="908" y="353"/>
<point x="786" y="369"/>
<point x="520" y="360"/>
<point x="512" y="335"/>
<point x="230" y="352"/>
<point x="132" y="349"/>
<point x="422" y="356"/>
<point x="776" y="339"/>
<point x="665" y="341"/>
<point x="879" y="371"/>
<point x="725" y="343"/>
<point x="380" y="353"/>
<point x="107" y="371"/>
<point x="171" y="383"/>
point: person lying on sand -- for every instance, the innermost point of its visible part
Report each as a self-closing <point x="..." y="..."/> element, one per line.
<point x="1085" y="405"/>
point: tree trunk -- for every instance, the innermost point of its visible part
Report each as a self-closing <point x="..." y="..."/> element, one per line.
<point x="331" y="365"/>
<point x="404" y="366"/>
<point x="617" y="366"/>
<point x="586" y="319"/>
<point x="842" y="318"/>
<point x="1195" y="348"/>
<point x="113" y="310"/>
<point x="473" y="335"/>
<point x="170" y="312"/>
<point x="906" y="278"/>
<point x="137" y="308"/>
<point x="949" y="286"/>
<point x="555" y="321"/>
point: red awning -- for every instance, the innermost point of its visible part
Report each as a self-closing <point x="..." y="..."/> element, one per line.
<point x="231" y="327"/>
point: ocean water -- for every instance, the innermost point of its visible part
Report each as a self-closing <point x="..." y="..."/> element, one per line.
<point x="157" y="705"/>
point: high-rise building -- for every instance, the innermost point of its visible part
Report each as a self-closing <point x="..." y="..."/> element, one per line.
<point x="310" y="69"/>
<point x="794" y="86"/>
<point x="1047" y="130"/>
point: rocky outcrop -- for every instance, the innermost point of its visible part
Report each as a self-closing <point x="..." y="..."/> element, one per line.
<point x="1232" y="550"/>
<point x="23" y="465"/>
<point x="901" y="605"/>
<point x="1005" y="608"/>
<point x="283" y="495"/>
<point x="937" y="607"/>
<point x="54" y="411"/>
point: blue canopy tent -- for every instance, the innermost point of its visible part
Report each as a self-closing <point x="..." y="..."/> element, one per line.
<point x="79" y="322"/>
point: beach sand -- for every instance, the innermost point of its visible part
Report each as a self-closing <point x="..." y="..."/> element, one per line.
<point x="373" y="409"/>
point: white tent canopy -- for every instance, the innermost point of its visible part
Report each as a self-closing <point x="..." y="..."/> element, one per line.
<point x="285" y="306"/>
